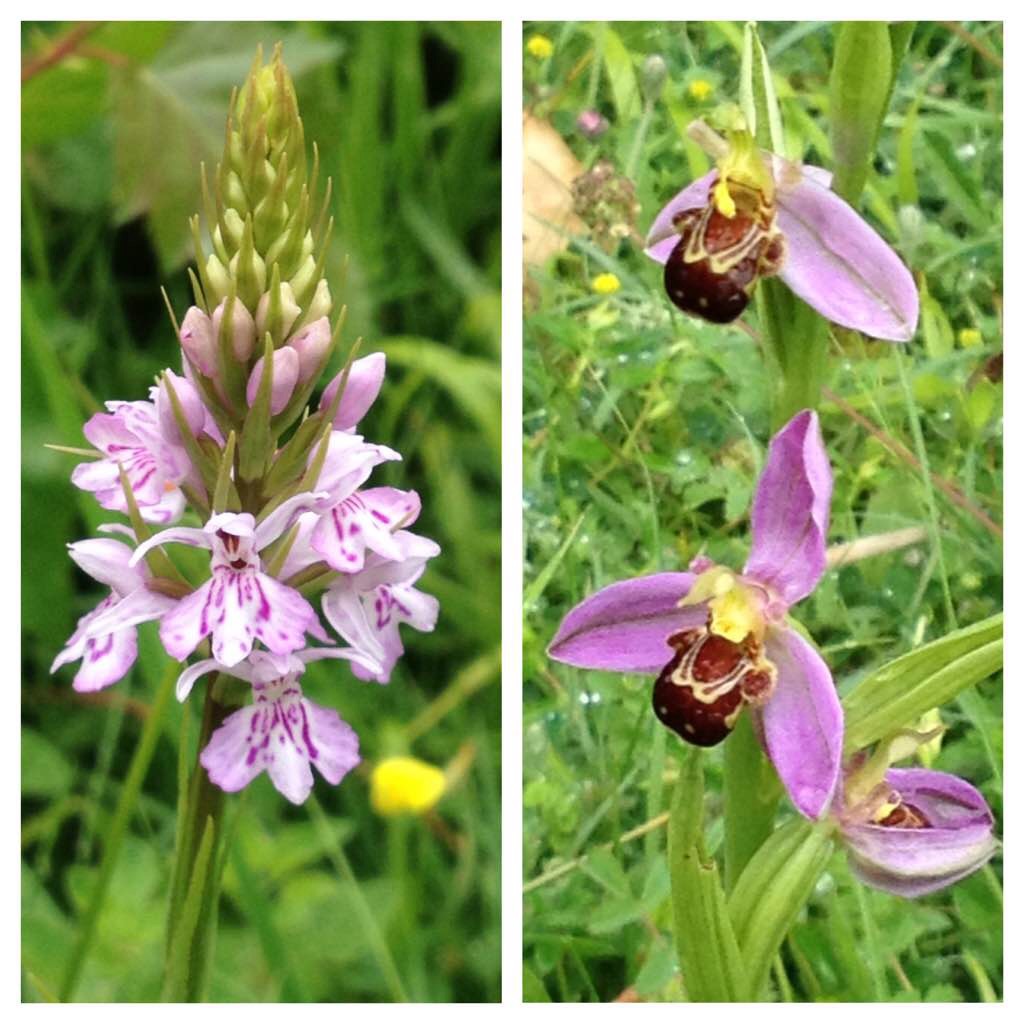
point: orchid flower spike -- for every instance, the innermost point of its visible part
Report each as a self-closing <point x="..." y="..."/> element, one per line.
<point x="757" y="215"/>
<point x="911" y="831"/>
<point x="719" y="640"/>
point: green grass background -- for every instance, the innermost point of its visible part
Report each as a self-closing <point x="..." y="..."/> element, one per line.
<point x="644" y="432"/>
<point x="407" y="120"/>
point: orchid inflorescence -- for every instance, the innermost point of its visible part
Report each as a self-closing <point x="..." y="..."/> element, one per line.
<point x="276" y="488"/>
<point x="721" y="642"/>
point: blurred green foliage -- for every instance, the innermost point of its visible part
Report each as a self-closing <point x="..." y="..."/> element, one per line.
<point x="406" y="117"/>
<point x="644" y="432"/>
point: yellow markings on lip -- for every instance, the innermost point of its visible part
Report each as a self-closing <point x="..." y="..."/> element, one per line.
<point x="735" y="607"/>
<point x="723" y="200"/>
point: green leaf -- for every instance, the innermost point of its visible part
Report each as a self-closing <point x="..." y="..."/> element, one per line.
<point x="473" y="384"/>
<point x="115" y="834"/>
<point x="621" y="76"/>
<point x="772" y="891"/>
<point x="903" y="690"/>
<point x="708" y="951"/>
<point x="757" y="93"/>
<point x="533" y="988"/>
<point x="859" y="93"/>
<point x="44" y="769"/>
<point x="180" y="968"/>
<point x="255" y="446"/>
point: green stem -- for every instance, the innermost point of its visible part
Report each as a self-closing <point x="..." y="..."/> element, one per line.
<point x="122" y="814"/>
<point x="752" y="793"/>
<point x="193" y="942"/>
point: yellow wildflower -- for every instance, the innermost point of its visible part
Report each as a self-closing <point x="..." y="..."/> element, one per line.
<point x="540" y="47"/>
<point x="700" y="90"/>
<point x="400" y="785"/>
<point x="605" y="284"/>
<point x="969" y="337"/>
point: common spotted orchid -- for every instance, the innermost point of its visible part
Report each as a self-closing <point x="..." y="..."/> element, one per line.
<point x="719" y="641"/>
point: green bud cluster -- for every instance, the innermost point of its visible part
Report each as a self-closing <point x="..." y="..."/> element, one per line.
<point x="259" y="337"/>
<point x="268" y="242"/>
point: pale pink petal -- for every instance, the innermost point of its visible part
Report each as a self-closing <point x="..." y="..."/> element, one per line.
<point x="141" y="605"/>
<point x="188" y="678"/>
<point x="364" y="521"/>
<point x="193" y="536"/>
<point x="282" y="517"/>
<point x="802" y="723"/>
<point x="106" y="560"/>
<point x="625" y="626"/>
<point x="791" y="510"/>
<point x="286" y="376"/>
<point x="364" y="382"/>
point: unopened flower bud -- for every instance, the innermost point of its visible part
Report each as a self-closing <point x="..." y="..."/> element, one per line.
<point x="199" y="341"/>
<point x="286" y="375"/>
<point x="365" y="377"/>
<point x="189" y="400"/>
<point x="289" y="312"/>
<point x="591" y="124"/>
<point x="243" y="329"/>
<point x="218" y="276"/>
<point x="320" y="304"/>
<point x="311" y="343"/>
<point x="652" y="77"/>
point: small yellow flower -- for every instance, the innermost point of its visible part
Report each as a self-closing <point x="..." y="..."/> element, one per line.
<point x="969" y="337"/>
<point x="700" y="89"/>
<point x="540" y="47"/>
<point x="605" y="284"/>
<point x="401" y="785"/>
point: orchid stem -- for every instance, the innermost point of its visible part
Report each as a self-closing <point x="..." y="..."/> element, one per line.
<point x="204" y="803"/>
<point x="752" y="795"/>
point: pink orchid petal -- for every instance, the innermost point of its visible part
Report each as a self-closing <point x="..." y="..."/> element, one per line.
<point x="364" y="521"/>
<point x="291" y="616"/>
<point x="188" y="678"/>
<point x="141" y="605"/>
<point x="284" y="515"/>
<point x="194" y="537"/>
<point x="349" y="462"/>
<point x="106" y="560"/>
<point x="913" y="862"/>
<point x="802" y="723"/>
<point x="837" y="263"/>
<point x="286" y="376"/>
<point x="106" y="660"/>
<point x="662" y="237"/>
<point x="791" y="510"/>
<point x="283" y="733"/>
<point x="346" y="613"/>
<point x="625" y="626"/>
<point x="364" y="382"/>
